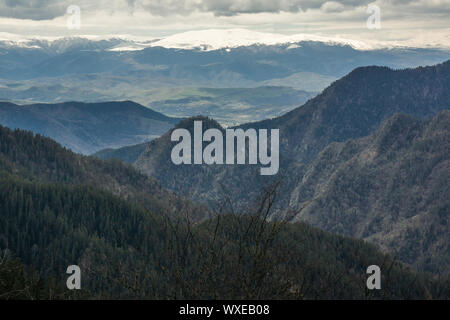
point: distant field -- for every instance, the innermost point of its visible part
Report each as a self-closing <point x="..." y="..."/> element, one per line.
<point x="231" y="106"/>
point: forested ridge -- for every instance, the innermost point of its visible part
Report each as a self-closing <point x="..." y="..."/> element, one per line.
<point x="38" y="158"/>
<point x="57" y="210"/>
<point x="367" y="158"/>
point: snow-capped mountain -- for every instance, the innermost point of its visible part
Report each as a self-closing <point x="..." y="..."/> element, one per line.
<point x="94" y="68"/>
<point x="205" y="40"/>
<point x="216" y="39"/>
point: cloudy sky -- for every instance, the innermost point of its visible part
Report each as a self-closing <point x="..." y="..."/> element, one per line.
<point x="413" y="22"/>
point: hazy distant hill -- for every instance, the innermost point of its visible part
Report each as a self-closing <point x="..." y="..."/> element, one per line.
<point x="88" y="127"/>
<point x="78" y="69"/>
<point x="241" y="63"/>
<point x="183" y="77"/>
<point x="231" y="106"/>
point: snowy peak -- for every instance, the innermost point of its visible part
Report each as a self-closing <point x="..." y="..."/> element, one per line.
<point x="206" y="40"/>
<point x="215" y="39"/>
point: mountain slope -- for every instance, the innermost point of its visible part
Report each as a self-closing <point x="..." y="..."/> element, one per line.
<point x="88" y="127"/>
<point x="352" y="107"/>
<point x="358" y="205"/>
<point x="128" y="154"/>
<point x="40" y="159"/>
<point x="125" y="252"/>
<point x="357" y="104"/>
<point x="209" y="184"/>
<point x="57" y="209"/>
<point x="390" y="188"/>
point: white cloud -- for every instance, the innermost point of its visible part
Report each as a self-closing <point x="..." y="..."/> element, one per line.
<point x="420" y="22"/>
<point x="332" y="6"/>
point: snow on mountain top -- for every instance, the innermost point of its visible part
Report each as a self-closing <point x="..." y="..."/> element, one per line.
<point x="215" y="39"/>
<point x="207" y="40"/>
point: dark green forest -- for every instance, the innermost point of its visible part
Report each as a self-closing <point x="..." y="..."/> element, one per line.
<point x="132" y="239"/>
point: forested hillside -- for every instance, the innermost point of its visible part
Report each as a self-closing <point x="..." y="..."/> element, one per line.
<point x="128" y="154"/>
<point x="41" y="159"/>
<point x="127" y="252"/>
<point x="390" y="188"/>
<point x="49" y="219"/>
<point x="352" y="107"/>
<point x="357" y="104"/>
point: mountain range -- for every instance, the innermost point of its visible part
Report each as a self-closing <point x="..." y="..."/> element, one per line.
<point x="161" y="73"/>
<point x="348" y="158"/>
<point x="131" y="240"/>
<point x="363" y="179"/>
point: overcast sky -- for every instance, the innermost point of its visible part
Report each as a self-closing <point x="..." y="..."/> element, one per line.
<point x="414" y="22"/>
